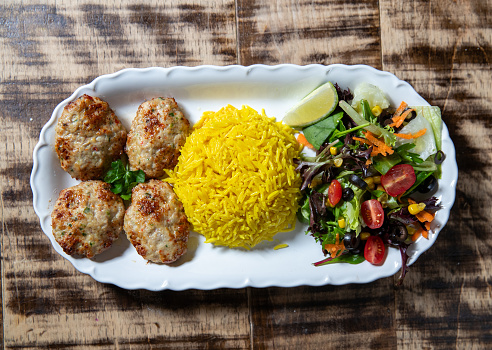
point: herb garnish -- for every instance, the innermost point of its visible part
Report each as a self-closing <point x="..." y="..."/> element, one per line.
<point x="122" y="179"/>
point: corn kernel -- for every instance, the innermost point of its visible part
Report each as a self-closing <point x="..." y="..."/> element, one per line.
<point x="380" y="188"/>
<point x="338" y="162"/>
<point x="376" y="179"/>
<point x="369" y="180"/>
<point x="376" y="111"/>
<point x="415" y="208"/>
<point x="328" y="203"/>
<point x="341" y="222"/>
<point x="333" y="151"/>
<point x="364" y="235"/>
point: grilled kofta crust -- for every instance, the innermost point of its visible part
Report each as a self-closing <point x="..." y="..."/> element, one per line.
<point x="155" y="222"/>
<point x="89" y="136"/>
<point x="87" y="218"/>
<point x="157" y="133"/>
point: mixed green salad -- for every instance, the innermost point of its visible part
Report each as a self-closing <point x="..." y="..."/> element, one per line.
<point x="371" y="180"/>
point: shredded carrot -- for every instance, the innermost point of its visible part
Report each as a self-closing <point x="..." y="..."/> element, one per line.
<point x="419" y="133"/>
<point x="379" y="147"/>
<point x="417" y="234"/>
<point x="412" y="136"/>
<point x="399" y="119"/>
<point x="401" y="108"/>
<point x="361" y="140"/>
<point x="427" y="225"/>
<point x="398" y="198"/>
<point x="368" y="162"/>
<point x="404" y="136"/>
<point x="420" y="232"/>
<point x="371" y="138"/>
<point x="424" y="216"/>
<point x="303" y="141"/>
<point x="336" y="249"/>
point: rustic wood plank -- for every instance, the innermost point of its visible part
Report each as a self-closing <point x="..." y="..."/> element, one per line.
<point x="347" y="317"/>
<point x="443" y="49"/>
<point x="48" y="50"/>
<point x="307" y="32"/>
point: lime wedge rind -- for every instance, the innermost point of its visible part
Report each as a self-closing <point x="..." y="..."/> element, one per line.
<point x="316" y="106"/>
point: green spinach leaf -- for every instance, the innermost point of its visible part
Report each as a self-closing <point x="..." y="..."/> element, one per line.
<point x="317" y="133"/>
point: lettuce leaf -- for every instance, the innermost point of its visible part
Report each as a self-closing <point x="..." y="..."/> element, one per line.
<point x="350" y="210"/>
<point x="433" y="116"/>
<point x="372" y="94"/>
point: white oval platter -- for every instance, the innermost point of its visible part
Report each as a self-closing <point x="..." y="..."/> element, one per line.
<point x="203" y="88"/>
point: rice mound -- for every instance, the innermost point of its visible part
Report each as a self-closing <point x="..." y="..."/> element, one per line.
<point x="236" y="177"/>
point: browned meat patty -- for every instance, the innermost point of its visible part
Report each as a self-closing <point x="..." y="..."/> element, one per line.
<point x="87" y="218"/>
<point x="155" y="222"/>
<point x="157" y="133"/>
<point x="88" y="138"/>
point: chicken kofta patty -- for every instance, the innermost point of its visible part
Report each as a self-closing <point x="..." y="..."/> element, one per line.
<point x="87" y="218"/>
<point x="89" y="136"/>
<point x="157" y="133"/>
<point x="155" y="222"/>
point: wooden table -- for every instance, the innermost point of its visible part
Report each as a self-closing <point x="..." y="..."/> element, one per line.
<point x="443" y="48"/>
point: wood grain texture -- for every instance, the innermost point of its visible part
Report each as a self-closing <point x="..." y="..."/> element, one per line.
<point x="49" y="48"/>
<point x="304" y="32"/>
<point x="341" y="317"/>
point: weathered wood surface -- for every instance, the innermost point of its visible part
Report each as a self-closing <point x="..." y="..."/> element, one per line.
<point x="442" y="48"/>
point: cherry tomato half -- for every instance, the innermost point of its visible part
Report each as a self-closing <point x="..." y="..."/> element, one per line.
<point x="334" y="192"/>
<point x="374" y="250"/>
<point x="398" y="179"/>
<point x="372" y="213"/>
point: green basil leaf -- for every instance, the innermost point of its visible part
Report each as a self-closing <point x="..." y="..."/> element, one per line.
<point x="115" y="173"/>
<point x="126" y="196"/>
<point x="140" y="176"/>
<point x="122" y="179"/>
<point x="117" y="188"/>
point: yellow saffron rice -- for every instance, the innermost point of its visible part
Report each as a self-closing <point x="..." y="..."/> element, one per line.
<point x="236" y="177"/>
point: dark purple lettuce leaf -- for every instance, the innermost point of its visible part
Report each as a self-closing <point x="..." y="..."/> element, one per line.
<point x="343" y="95"/>
<point x="403" y="216"/>
<point x="431" y="204"/>
<point x="359" y="155"/>
<point x="309" y="170"/>
<point x="317" y="207"/>
<point x="404" y="267"/>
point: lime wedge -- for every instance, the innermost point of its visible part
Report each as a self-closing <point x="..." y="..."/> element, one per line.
<point x="314" y="107"/>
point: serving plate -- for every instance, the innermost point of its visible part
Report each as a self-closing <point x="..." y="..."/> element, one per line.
<point x="197" y="89"/>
